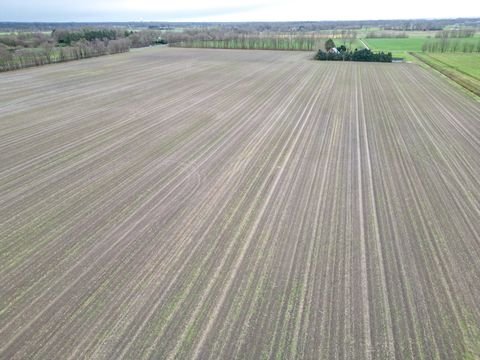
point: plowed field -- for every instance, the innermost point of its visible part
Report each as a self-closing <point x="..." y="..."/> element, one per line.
<point x="223" y="204"/>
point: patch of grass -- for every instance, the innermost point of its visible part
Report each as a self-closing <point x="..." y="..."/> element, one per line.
<point x="456" y="74"/>
<point x="396" y="45"/>
<point x="471" y="335"/>
<point x="467" y="63"/>
<point x="404" y="55"/>
<point x="399" y="47"/>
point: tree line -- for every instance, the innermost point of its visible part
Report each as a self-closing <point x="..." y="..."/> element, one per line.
<point x="48" y="54"/>
<point x="451" y="45"/>
<point x="33" y="49"/>
<point x="67" y="37"/>
<point x="242" y="39"/>
<point x="456" y="33"/>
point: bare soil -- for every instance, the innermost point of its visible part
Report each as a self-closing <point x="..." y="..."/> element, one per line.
<point x="190" y="203"/>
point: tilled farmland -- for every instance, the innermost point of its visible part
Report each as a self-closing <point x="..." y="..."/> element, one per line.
<point x="223" y="204"/>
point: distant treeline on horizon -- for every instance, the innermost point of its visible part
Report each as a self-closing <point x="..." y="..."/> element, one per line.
<point x="404" y="25"/>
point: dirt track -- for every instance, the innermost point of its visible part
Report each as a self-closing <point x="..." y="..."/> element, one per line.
<point x="237" y="204"/>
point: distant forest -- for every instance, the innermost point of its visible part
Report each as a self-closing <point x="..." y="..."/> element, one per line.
<point x="400" y="25"/>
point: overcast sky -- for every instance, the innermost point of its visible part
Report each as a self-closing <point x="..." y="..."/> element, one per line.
<point x="232" y="10"/>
